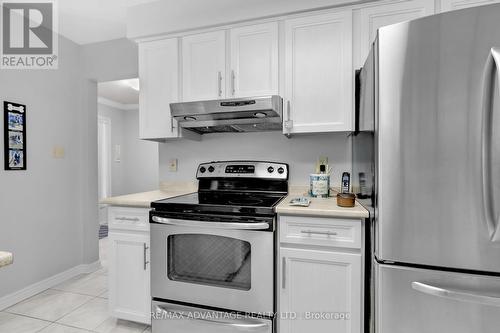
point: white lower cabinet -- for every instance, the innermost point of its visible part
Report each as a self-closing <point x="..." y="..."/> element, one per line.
<point x="129" y="269"/>
<point x="320" y="288"/>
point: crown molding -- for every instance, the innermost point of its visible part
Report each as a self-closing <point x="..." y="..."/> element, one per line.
<point x="116" y="105"/>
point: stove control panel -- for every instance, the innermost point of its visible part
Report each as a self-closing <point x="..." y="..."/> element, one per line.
<point x="243" y="169"/>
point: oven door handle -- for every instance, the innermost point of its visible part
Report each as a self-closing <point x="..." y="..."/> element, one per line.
<point x="240" y="324"/>
<point x="218" y="225"/>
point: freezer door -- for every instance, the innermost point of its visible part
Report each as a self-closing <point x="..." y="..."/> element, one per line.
<point x="172" y="318"/>
<point x="413" y="300"/>
<point x="438" y="141"/>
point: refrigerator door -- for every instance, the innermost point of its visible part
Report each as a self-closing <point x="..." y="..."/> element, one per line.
<point x="413" y="300"/>
<point x="438" y="141"/>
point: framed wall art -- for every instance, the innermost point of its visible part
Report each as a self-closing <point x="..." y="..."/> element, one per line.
<point x="14" y="136"/>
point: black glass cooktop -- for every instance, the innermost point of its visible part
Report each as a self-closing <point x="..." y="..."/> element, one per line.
<point x="220" y="202"/>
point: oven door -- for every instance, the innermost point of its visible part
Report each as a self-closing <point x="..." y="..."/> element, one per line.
<point x="216" y="264"/>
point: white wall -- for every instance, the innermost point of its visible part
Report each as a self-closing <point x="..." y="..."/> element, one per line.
<point x="300" y="152"/>
<point x="138" y="169"/>
<point x="45" y="214"/>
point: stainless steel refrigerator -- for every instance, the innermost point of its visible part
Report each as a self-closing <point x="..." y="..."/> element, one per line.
<point x="426" y="159"/>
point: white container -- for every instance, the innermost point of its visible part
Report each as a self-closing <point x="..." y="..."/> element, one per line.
<point x="319" y="185"/>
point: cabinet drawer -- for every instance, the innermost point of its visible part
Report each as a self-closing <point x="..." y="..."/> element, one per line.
<point x="320" y="231"/>
<point x="127" y="218"/>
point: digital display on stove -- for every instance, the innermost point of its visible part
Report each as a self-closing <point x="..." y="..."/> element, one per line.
<point x="240" y="169"/>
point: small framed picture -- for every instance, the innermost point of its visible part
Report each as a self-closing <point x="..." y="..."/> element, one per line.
<point x="15" y="121"/>
<point x="16" y="159"/>
<point x="16" y="140"/>
<point x="14" y="136"/>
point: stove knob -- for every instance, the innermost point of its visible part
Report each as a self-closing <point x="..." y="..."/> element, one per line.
<point x="281" y="170"/>
<point x="203" y="169"/>
<point x="211" y="169"/>
<point x="270" y="169"/>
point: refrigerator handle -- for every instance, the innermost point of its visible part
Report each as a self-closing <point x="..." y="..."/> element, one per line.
<point x="457" y="295"/>
<point x="492" y="66"/>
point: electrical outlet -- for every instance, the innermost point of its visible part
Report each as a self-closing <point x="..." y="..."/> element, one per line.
<point x="323" y="160"/>
<point x="172" y="165"/>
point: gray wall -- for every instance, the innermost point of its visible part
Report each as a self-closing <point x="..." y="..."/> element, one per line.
<point x="111" y="60"/>
<point x="138" y="169"/>
<point x="45" y="212"/>
<point x="48" y="213"/>
<point x="139" y="157"/>
<point x="301" y="152"/>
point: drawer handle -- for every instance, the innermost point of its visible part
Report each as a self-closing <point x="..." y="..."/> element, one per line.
<point x="311" y="232"/>
<point x="133" y="219"/>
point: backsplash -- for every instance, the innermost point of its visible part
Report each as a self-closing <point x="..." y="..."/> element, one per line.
<point x="300" y="152"/>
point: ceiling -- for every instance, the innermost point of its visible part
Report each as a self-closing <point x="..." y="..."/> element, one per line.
<point x="123" y="94"/>
<point x="91" y="21"/>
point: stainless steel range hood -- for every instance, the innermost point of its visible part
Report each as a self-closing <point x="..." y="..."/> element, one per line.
<point x="230" y="115"/>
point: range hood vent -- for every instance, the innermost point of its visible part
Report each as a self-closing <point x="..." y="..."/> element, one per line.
<point x="254" y="114"/>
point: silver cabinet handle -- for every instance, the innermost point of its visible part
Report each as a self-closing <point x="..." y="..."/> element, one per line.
<point x="283" y="272"/>
<point x="132" y="219"/>
<point x="492" y="66"/>
<point x="219" y="82"/>
<point x="329" y="233"/>
<point x="233" y="83"/>
<point x="145" y="256"/>
<point x="235" y="324"/>
<point x="457" y="295"/>
<point x="218" y="225"/>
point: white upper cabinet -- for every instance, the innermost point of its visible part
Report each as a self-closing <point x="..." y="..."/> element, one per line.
<point x="377" y="15"/>
<point x="253" y="61"/>
<point x="203" y="66"/>
<point x="447" y="5"/>
<point x="318" y="87"/>
<point x="158" y="76"/>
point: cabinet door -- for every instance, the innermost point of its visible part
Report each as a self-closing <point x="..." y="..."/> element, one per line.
<point x="323" y="290"/>
<point x="158" y="76"/>
<point x="129" y="277"/>
<point x="254" y="61"/>
<point x="318" y="73"/>
<point x="447" y="5"/>
<point x="203" y="66"/>
<point x="374" y="17"/>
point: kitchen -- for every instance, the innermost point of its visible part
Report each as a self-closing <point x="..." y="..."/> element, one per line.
<point x="290" y="103"/>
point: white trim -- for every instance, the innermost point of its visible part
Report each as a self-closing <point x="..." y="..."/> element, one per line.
<point x="38" y="287"/>
<point x="116" y="105"/>
<point x="106" y="142"/>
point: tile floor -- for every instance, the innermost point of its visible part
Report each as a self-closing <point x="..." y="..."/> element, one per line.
<point x="75" y="306"/>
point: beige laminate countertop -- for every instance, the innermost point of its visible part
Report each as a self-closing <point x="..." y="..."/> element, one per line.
<point x="326" y="207"/>
<point x="143" y="199"/>
<point x="5" y="258"/>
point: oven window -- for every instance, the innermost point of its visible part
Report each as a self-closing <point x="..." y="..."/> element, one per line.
<point x="209" y="260"/>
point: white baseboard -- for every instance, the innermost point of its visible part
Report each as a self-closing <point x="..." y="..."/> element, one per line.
<point x="50" y="282"/>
